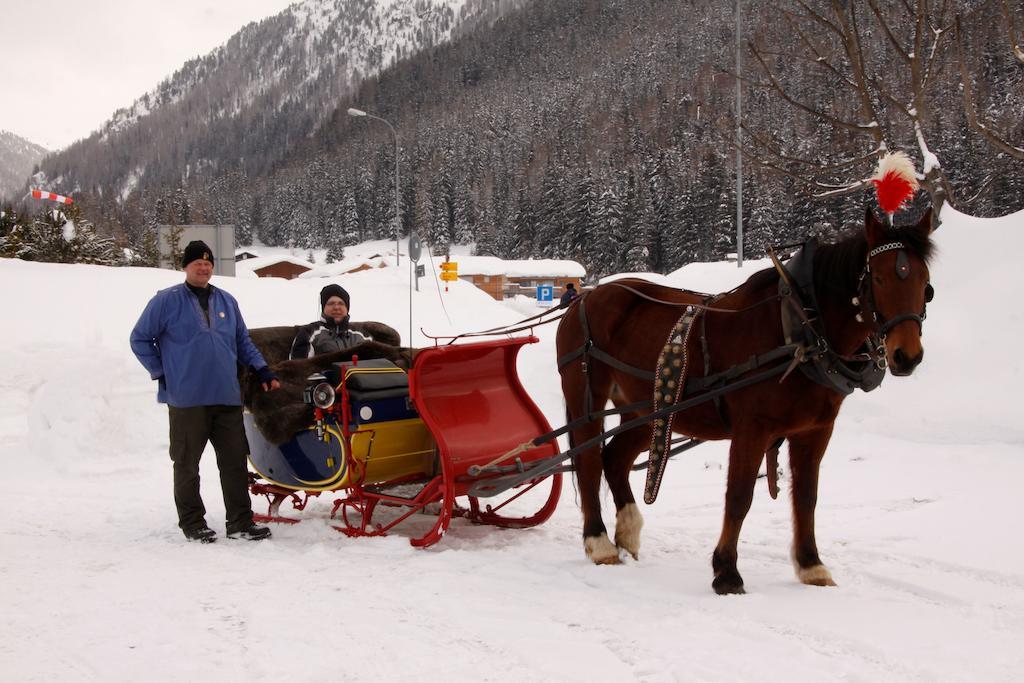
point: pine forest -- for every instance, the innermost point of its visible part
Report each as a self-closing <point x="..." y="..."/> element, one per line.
<point x="599" y="131"/>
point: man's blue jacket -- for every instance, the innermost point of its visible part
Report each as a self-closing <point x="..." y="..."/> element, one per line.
<point x="196" y="361"/>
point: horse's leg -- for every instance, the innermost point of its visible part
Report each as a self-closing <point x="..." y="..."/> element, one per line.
<point x="805" y="453"/>
<point x="745" y="454"/>
<point x="618" y="457"/>
<point x="587" y="466"/>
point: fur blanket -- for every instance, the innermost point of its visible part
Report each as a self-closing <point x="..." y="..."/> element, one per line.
<point x="281" y="413"/>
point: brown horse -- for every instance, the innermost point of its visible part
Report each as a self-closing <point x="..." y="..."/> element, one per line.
<point x="846" y="310"/>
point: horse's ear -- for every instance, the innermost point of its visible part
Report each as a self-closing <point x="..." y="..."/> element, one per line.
<point x="874" y="230"/>
<point x="925" y="226"/>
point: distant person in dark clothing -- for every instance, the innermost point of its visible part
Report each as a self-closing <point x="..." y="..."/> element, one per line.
<point x="570" y="294"/>
<point x="192" y="340"/>
<point x="330" y="333"/>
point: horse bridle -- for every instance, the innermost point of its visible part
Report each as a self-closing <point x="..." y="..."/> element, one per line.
<point x="865" y="298"/>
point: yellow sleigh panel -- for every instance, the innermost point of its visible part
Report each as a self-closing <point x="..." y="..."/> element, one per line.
<point x="398" y="449"/>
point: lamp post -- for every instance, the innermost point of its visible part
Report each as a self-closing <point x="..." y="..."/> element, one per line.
<point x="398" y="219"/>
<point x="739" y="135"/>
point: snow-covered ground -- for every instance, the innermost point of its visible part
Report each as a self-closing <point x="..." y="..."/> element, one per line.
<point x="918" y="518"/>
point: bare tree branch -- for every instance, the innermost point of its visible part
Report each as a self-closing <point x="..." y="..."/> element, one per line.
<point x="778" y="87"/>
<point x="777" y="152"/>
<point x="987" y="183"/>
<point x="851" y="43"/>
<point x="883" y="64"/>
<point x="816" y="187"/>
<point x="938" y="35"/>
<point x="893" y="40"/>
<point x="970" y="108"/>
<point x="1011" y="29"/>
<point x="821" y="19"/>
<point x="819" y="58"/>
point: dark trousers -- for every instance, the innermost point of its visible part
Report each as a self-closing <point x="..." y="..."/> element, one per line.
<point x="191" y="428"/>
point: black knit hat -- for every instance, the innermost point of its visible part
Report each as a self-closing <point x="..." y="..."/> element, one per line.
<point x="195" y="251"/>
<point x="333" y="290"/>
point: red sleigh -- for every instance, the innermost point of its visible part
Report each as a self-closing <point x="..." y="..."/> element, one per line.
<point x="422" y="442"/>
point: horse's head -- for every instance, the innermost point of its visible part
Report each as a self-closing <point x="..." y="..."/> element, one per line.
<point x="894" y="288"/>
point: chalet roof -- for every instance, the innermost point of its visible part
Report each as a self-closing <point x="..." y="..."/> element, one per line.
<point x="526" y="268"/>
<point x="343" y="266"/>
<point x="248" y="267"/>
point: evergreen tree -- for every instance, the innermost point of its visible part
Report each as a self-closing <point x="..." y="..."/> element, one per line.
<point x="606" y="247"/>
<point x="63" y="236"/>
<point x="147" y="252"/>
<point x="551" y="218"/>
<point x="11" y="233"/>
<point x="582" y="219"/>
<point x="8" y="219"/>
<point x="524" y="223"/>
<point x="464" y="215"/>
<point x="181" y="209"/>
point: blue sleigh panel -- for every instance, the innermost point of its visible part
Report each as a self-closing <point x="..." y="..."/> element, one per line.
<point x="304" y="462"/>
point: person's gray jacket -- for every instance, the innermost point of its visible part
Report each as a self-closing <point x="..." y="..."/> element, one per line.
<point x="323" y="336"/>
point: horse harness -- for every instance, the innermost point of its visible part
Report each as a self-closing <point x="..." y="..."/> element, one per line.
<point x="670" y="376"/>
<point x="865" y="296"/>
<point x="806" y="347"/>
<point x="817" y="360"/>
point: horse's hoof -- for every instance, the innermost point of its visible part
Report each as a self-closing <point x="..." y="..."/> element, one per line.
<point x="600" y="550"/>
<point x="728" y="584"/>
<point x="628" y="522"/>
<point x="817" y="575"/>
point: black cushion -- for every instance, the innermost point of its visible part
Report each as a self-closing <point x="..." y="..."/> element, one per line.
<point x="374" y="379"/>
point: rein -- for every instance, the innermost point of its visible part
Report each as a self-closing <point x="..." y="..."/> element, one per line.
<point x="506" y="329"/>
<point x="700" y="306"/>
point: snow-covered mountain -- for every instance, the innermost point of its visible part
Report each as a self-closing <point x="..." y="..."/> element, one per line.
<point x="263" y="92"/>
<point x="17" y="158"/>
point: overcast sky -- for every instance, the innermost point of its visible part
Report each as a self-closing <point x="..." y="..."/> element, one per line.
<point x="67" y="65"/>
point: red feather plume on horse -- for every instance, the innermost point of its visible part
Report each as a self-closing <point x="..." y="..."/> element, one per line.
<point x="895" y="182"/>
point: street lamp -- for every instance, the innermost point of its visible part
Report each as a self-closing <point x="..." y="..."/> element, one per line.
<point x="359" y="112"/>
<point x="739" y="134"/>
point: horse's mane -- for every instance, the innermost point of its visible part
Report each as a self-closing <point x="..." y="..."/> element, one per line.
<point x="839" y="264"/>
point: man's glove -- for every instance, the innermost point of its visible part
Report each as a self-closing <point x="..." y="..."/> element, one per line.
<point x="268" y="379"/>
<point x="266" y="375"/>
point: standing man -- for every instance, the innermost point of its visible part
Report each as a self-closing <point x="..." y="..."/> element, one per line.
<point x="192" y="339"/>
<point x="570" y="294"/>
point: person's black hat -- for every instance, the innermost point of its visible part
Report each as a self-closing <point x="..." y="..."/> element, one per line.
<point x="570" y="285"/>
<point x="195" y="251"/>
<point x="333" y="290"/>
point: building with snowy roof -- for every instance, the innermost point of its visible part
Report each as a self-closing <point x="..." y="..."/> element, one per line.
<point x="504" y="279"/>
<point x="283" y="266"/>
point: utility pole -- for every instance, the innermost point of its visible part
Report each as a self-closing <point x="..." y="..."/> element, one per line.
<point x="739" y="136"/>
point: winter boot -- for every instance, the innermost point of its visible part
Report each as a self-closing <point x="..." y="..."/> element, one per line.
<point x="252" y="532"/>
<point x="202" y="534"/>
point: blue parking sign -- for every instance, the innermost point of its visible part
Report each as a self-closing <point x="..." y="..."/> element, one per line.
<point x="545" y="295"/>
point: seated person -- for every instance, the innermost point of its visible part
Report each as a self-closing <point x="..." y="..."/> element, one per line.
<point x="331" y="332"/>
